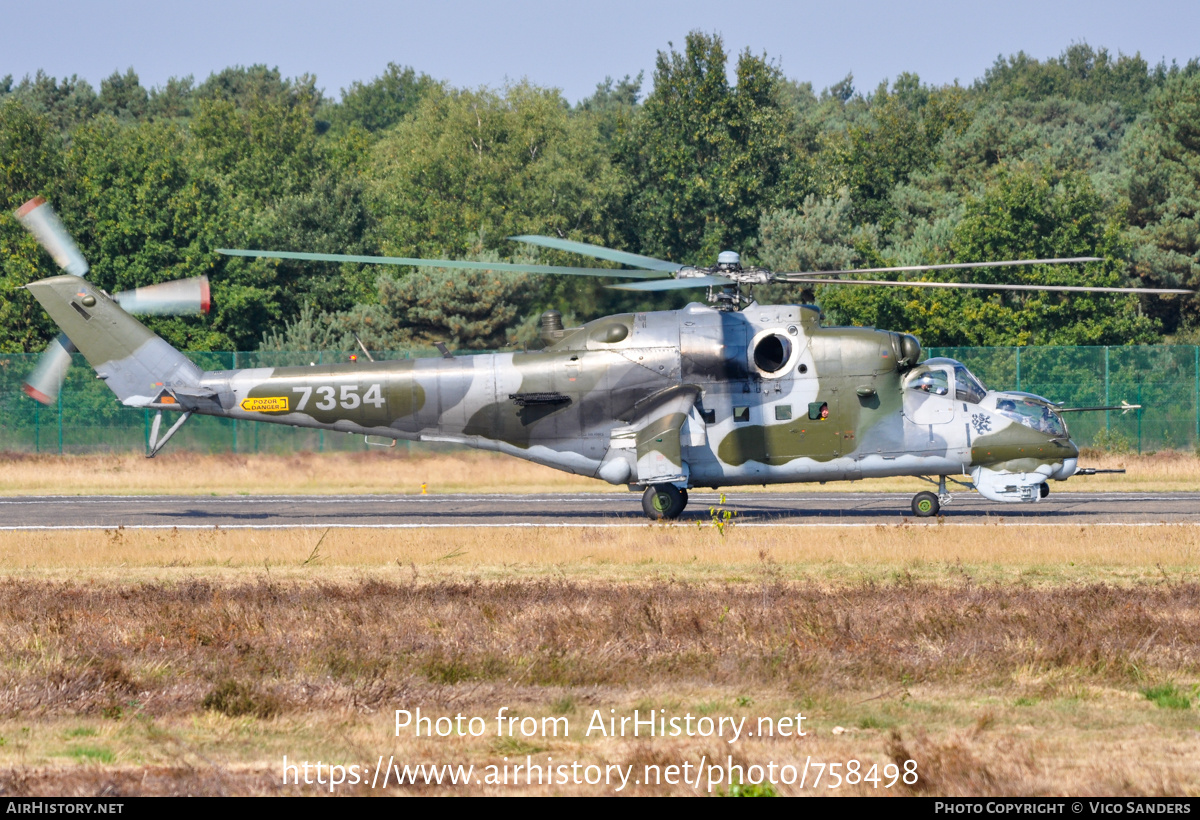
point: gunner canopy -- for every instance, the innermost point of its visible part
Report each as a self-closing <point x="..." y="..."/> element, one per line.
<point x="1034" y="413"/>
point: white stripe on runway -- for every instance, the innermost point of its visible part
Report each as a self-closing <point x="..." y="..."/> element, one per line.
<point x="731" y="499"/>
<point x="565" y="525"/>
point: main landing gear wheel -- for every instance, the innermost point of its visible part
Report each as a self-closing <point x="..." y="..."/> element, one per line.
<point x="925" y="504"/>
<point x="663" y="502"/>
<point x="1044" y="490"/>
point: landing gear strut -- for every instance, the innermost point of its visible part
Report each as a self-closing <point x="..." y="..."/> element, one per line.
<point x="663" y="502"/>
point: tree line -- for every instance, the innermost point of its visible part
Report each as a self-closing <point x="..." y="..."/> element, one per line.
<point x="1083" y="154"/>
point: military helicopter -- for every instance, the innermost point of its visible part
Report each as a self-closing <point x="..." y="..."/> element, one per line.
<point x="720" y="394"/>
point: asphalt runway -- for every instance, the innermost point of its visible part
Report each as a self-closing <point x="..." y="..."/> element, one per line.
<point x="575" y="510"/>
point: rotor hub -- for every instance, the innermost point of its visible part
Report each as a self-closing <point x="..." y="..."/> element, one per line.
<point x="729" y="260"/>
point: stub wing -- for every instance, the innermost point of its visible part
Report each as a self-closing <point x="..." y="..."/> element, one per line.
<point x="654" y="436"/>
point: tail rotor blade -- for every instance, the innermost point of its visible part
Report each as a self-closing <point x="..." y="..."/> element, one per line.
<point x="178" y="298"/>
<point x="47" y="378"/>
<point x="40" y="220"/>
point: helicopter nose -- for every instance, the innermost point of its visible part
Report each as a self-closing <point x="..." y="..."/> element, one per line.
<point x="1070" y="462"/>
<point x="1068" y="468"/>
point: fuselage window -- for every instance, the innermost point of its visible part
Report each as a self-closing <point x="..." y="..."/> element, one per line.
<point x="783" y="412"/>
<point x="741" y="414"/>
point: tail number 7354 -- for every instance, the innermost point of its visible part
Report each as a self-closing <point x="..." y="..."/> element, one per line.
<point x="328" y="397"/>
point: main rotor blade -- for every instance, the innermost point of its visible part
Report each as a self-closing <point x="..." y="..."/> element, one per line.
<point x="177" y="298"/>
<point x="632" y="259"/>
<point x="678" y="284"/>
<point x="804" y="275"/>
<point x="498" y="267"/>
<point x="46" y="379"/>
<point x="988" y="286"/>
<point x="40" y="220"/>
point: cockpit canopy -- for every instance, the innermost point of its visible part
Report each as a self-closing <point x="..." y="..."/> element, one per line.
<point x="941" y="377"/>
<point x="948" y="378"/>
<point x="1034" y="412"/>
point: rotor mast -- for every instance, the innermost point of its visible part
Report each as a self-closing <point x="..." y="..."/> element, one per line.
<point x="728" y="295"/>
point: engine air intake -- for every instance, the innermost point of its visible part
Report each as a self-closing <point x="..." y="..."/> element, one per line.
<point x="772" y="352"/>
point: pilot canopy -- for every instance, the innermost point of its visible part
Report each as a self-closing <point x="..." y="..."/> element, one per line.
<point x="946" y="377"/>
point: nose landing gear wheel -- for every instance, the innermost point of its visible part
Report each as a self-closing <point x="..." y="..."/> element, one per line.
<point x="925" y="504"/>
<point x="663" y="502"/>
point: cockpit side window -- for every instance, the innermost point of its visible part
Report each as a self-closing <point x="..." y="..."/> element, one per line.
<point x="936" y="382"/>
<point x="967" y="387"/>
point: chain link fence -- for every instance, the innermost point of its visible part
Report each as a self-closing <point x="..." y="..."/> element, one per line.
<point x="1164" y="379"/>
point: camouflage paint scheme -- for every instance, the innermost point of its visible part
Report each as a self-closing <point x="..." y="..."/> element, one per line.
<point x="693" y="397"/>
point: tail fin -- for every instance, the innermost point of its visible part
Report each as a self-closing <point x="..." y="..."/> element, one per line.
<point x="136" y="364"/>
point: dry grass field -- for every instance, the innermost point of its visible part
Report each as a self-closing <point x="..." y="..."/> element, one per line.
<point x="397" y="471"/>
<point x="1030" y="555"/>
<point x="1003" y="660"/>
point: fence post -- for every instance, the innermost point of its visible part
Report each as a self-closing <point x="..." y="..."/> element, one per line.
<point x="1139" y="418"/>
<point x="235" y="421"/>
<point x="37" y="428"/>
<point x="1018" y="370"/>
<point x="321" y="433"/>
<point x="1196" y="395"/>
<point x="60" y="392"/>
<point x="1107" y="413"/>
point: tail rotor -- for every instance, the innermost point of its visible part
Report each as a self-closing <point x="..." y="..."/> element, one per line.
<point x="182" y="297"/>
